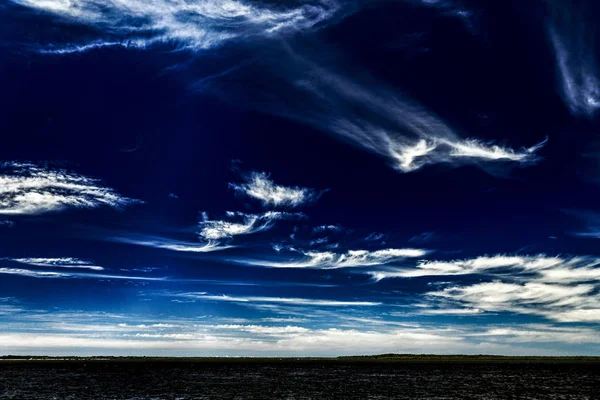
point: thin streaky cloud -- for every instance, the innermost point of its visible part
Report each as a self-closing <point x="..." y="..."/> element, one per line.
<point x="331" y="260"/>
<point x="65" y="262"/>
<point x="279" y="300"/>
<point x="422" y="237"/>
<point x="159" y="242"/>
<point x="374" y="236"/>
<point x="454" y="9"/>
<point x="33" y="274"/>
<point x="571" y="36"/>
<point x="71" y="49"/>
<point x="66" y="275"/>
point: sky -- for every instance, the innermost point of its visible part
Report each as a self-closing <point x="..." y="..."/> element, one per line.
<point x="299" y="178"/>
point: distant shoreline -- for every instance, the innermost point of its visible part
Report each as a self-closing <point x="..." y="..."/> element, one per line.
<point x="383" y="358"/>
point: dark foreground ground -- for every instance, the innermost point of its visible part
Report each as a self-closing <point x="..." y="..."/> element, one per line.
<point x="347" y="378"/>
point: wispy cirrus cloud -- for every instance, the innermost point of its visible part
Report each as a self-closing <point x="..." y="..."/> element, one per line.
<point x="541" y="267"/>
<point x="278" y="300"/>
<point x="557" y="288"/>
<point x="572" y="39"/>
<point x="27" y="188"/>
<point x="259" y="186"/>
<point x="65" y="275"/>
<point x="240" y="224"/>
<point x="422" y="237"/>
<point x="213" y="235"/>
<point x="469" y="17"/>
<point x="194" y="25"/>
<point x="33" y="273"/>
<point x="64" y="262"/>
<point x="590" y="219"/>
<point x="160" y="242"/>
<point x="361" y="111"/>
<point x="364" y="112"/>
<point x="374" y="236"/>
<point x="331" y="260"/>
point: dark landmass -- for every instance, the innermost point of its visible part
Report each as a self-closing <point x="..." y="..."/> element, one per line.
<point x="386" y="376"/>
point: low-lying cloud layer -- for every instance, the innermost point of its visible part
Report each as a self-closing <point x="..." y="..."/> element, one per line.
<point x="100" y="333"/>
<point x="33" y="189"/>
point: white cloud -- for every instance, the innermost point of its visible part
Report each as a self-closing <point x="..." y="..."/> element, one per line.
<point x="331" y="260"/>
<point x="565" y="303"/>
<point x="65" y="262"/>
<point x="561" y="289"/>
<point x="279" y="300"/>
<point x="32" y="189"/>
<point x="546" y="269"/>
<point x="591" y="314"/>
<point x="475" y="149"/>
<point x="196" y="25"/>
<point x="260" y="187"/>
<point x="411" y="157"/>
<point x="248" y="223"/>
<point x="325" y="228"/>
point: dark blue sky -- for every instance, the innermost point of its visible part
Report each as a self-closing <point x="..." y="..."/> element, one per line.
<point x="221" y="177"/>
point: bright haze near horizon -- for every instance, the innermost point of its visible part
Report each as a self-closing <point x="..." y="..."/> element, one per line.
<point x="299" y="178"/>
